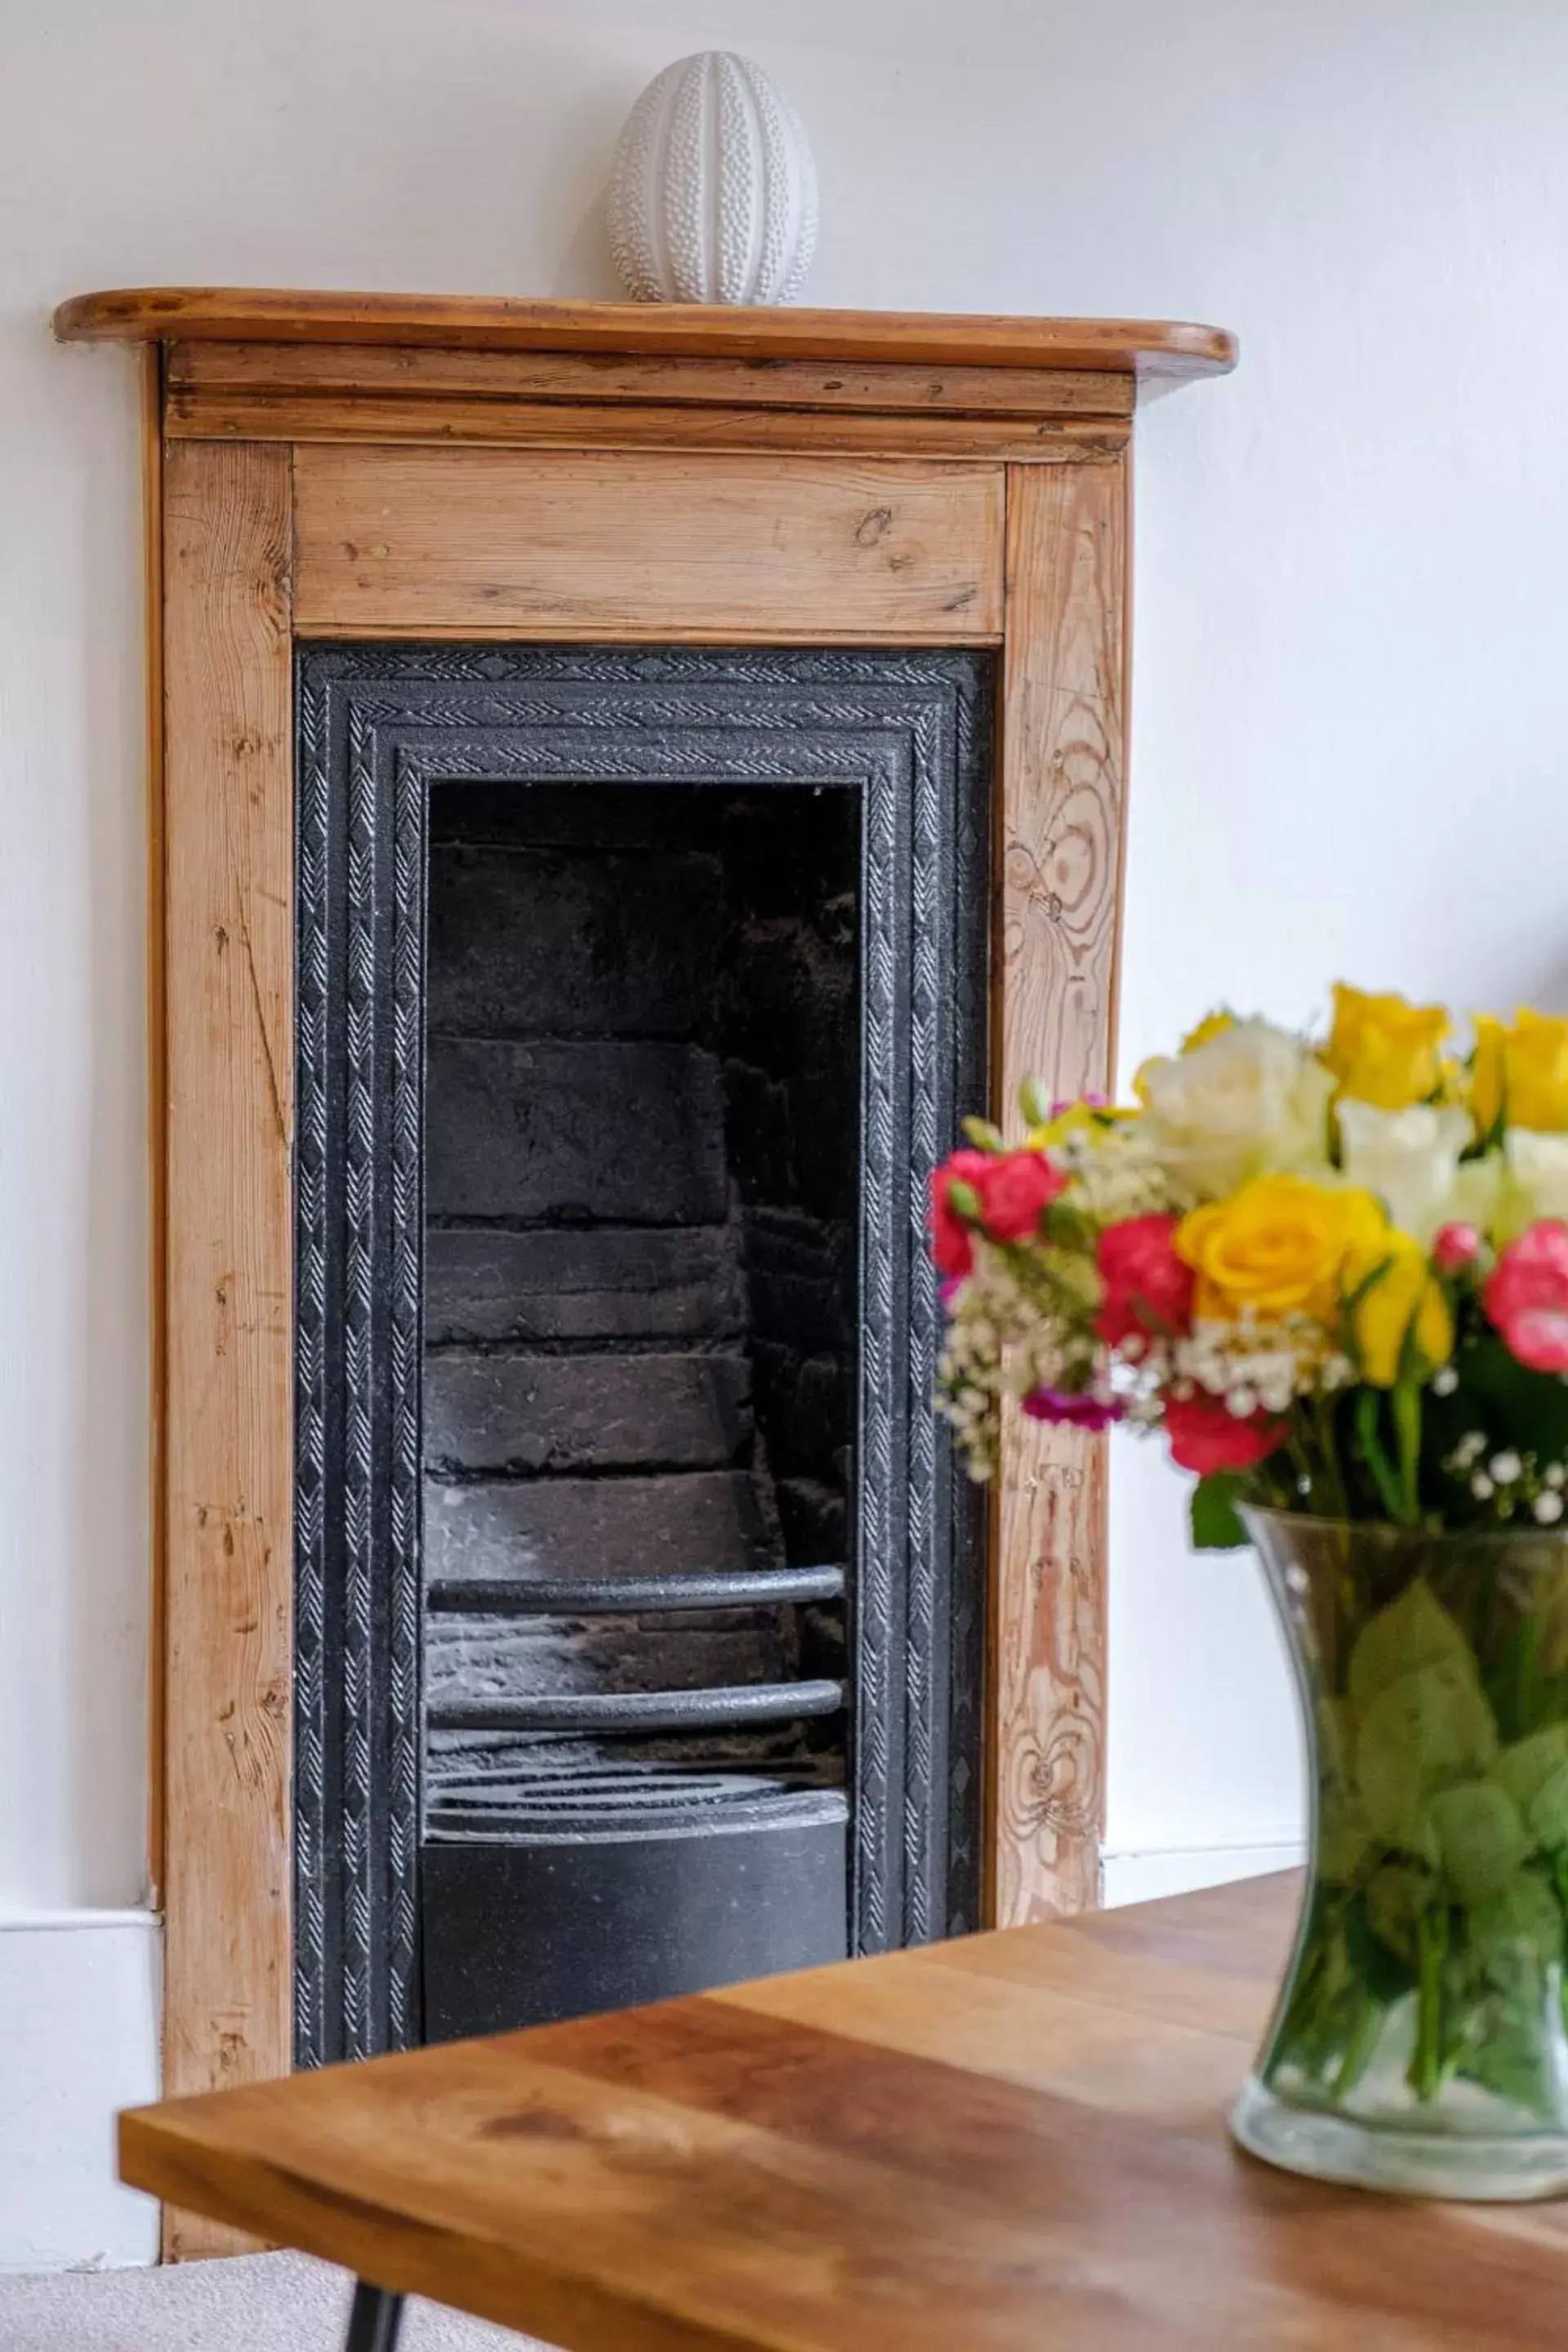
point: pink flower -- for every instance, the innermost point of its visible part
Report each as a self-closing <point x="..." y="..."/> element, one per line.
<point x="1207" y="1436"/>
<point x="1016" y="1188"/>
<point x="1070" y="1412"/>
<point x="1526" y="1295"/>
<point x="1455" y="1247"/>
<point x="951" y="1244"/>
<point x="1140" y="1270"/>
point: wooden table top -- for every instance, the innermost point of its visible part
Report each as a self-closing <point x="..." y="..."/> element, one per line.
<point x="1002" y="2145"/>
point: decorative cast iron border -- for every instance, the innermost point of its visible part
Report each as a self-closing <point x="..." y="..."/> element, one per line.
<point x="377" y="726"/>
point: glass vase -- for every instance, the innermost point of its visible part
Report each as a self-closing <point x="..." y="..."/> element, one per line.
<point x="1418" y="2043"/>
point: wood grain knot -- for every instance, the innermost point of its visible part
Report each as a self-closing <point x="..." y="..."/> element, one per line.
<point x="534" y="2123"/>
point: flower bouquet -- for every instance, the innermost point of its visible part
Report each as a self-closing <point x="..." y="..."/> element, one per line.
<point x="1335" y="1272"/>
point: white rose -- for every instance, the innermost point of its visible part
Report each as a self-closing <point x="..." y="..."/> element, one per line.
<point x="1410" y="1158"/>
<point x="1535" y="1181"/>
<point x="1251" y="1102"/>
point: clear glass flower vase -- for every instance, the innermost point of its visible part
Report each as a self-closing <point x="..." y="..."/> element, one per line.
<point x="1419" y="2043"/>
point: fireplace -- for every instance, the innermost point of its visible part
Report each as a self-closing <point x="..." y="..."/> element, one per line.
<point x="638" y="1607"/>
<point x="416" y="556"/>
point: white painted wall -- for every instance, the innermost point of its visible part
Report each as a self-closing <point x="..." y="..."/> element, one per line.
<point x="1350" y="727"/>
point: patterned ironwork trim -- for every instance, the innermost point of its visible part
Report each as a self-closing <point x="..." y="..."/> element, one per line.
<point x="378" y="725"/>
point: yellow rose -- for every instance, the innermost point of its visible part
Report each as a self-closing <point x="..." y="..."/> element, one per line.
<point x="1402" y="1301"/>
<point x="1278" y="1247"/>
<point x="1384" y="1050"/>
<point x="1521" y="1074"/>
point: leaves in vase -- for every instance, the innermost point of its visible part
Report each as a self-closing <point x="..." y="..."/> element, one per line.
<point x="1524" y="1921"/>
<point x="1424" y="1731"/>
<point x="1344" y="1839"/>
<point x="1482" y="1839"/>
<point x="1395" y="1899"/>
<point x="1534" y="1772"/>
<point x="1412" y="1632"/>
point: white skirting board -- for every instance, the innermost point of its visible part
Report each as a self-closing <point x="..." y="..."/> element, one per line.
<point x="1143" y="1878"/>
<point x="78" y="2041"/>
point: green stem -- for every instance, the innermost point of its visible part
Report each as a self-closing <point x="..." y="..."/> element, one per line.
<point x="1526" y="1676"/>
<point x="1406" y="1403"/>
<point x="1323" y="1414"/>
<point x="1369" y="1439"/>
<point x="1358" y="2052"/>
<point x="1432" y="1950"/>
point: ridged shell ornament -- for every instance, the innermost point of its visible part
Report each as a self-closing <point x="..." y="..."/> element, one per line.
<point x="713" y="194"/>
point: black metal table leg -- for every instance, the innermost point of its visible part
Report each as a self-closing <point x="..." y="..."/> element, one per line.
<point x="375" y="2319"/>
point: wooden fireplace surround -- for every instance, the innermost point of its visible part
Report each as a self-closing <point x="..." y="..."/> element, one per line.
<point x="339" y="465"/>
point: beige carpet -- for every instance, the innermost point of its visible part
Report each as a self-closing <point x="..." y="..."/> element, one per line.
<point x="258" y="2302"/>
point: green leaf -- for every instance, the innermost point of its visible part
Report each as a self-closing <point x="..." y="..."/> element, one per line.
<point x="1534" y="1772"/>
<point x="1523" y="1923"/>
<point x="1215" y="1526"/>
<point x="1482" y="1841"/>
<point x="1070" y="1227"/>
<point x="984" y="1135"/>
<point x="1395" y="1899"/>
<point x="1498" y="1393"/>
<point x="1035" y="1103"/>
<point x="1412" y="1632"/>
<point x="1345" y="1838"/>
<point x="1421" y="1733"/>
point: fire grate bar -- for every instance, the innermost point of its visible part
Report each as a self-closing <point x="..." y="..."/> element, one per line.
<point x="641" y="1710"/>
<point x="618" y="1596"/>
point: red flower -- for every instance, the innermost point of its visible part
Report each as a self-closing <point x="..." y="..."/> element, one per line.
<point x="1140" y="1268"/>
<point x="1207" y="1436"/>
<point x="951" y="1244"/>
<point x="1526" y="1295"/>
<point x="1016" y="1188"/>
<point x="1454" y="1247"/>
<point x="1066" y="1410"/>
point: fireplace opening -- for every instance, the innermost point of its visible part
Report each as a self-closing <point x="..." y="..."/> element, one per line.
<point x="641" y="1168"/>
<point x="638" y="1605"/>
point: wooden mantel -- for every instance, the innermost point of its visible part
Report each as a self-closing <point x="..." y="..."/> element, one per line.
<point x="378" y="466"/>
<point x="1149" y="349"/>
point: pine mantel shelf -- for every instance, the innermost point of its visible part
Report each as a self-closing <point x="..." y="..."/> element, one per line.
<point x="1148" y="349"/>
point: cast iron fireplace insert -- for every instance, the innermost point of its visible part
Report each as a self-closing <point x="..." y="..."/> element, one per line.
<point x="638" y="1607"/>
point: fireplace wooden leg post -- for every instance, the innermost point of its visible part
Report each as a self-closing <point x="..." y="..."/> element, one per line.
<point x="375" y="2321"/>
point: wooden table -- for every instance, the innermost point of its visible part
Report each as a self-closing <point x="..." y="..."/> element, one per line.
<point x="1007" y="2144"/>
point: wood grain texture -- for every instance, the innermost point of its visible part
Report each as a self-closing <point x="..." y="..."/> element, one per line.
<point x="454" y="422"/>
<point x="227" y="1951"/>
<point x="875" y="388"/>
<point x="476" y="542"/>
<point x="995" y="2144"/>
<point x="157" y="1111"/>
<point x="1146" y="348"/>
<point x="1063" y="782"/>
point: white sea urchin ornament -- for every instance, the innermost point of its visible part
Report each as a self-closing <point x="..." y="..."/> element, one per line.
<point x="713" y="192"/>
